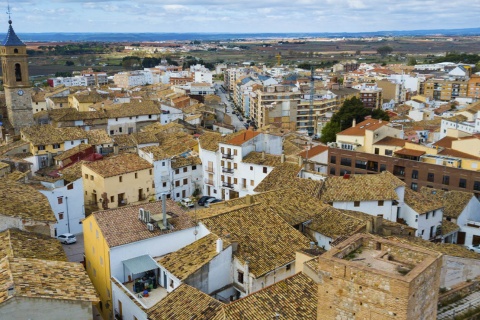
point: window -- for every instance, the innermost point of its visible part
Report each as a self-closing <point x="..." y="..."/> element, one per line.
<point x="185" y="169"/>
<point x="383" y="167"/>
<point x="177" y="171"/>
<point x="222" y="149"/>
<point x="70" y="186"/>
<point x="178" y="195"/>
<point x="360" y="164"/>
<point x="163" y="163"/>
<point x="18" y="72"/>
<point x="120" y="179"/>
<point x="112" y="132"/>
<point x="332" y="171"/>
<point x="264" y="169"/>
<point x="433" y="214"/>
<point x="94" y="272"/>
<point x="346" y="162"/>
<point x="194" y="167"/>
<point x="119" y="129"/>
<point x="234" y="152"/>
<point x="240" y="276"/>
<point x="234" y="166"/>
<point x="414" y="174"/>
<point x="60" y="216"/>
<point x="41" y="147"/>
<point x="288" y="267"/>
<point x="426" y="216"/>
<point x="356" y="203"/>
<point x="112" y="198"/>
<point x="380" y="203"/>
<point x="136" y="175"/>
<point x="252" y="183"/>
<point x="251" y="168"/>
<point x="476" y="185"/>
<point x="60" y="200"/>
<point x="149" y="116"/>
<point x="92" y="178"/>
<point x="414" y="186"/>
<point x="164" y="184"/>
<point x="150" y="172"/>
<point x="171" y="283"/>
<point x="56" y="146"/>
<point x="430" y="177"/>
<point x="235" y="181"/>
<point x="177" y="183"/>
<point x="185" y="181"/>
<point x="462" y="183"/>
<point x="333" y="159"/>
<point x="446" y="180"/>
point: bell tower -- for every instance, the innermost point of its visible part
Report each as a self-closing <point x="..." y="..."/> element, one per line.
<point x="18" y="93"/>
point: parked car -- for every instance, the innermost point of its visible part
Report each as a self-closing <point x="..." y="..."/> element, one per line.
<point x="187" y="202"/>
<point x="240" y="118"/>
<point x="201" y="201"/>
<point x="67" y="238"/>
<point x="474" y="248"/>
<point x="210" y="201"/>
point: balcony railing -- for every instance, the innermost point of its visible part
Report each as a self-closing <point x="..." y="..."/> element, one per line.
<point x="227" y="170"/>
<point x="227" y="185"/>
<point x="227" y="156"/>
<point x="209" y="169"/>
<point x="209" y="182"/>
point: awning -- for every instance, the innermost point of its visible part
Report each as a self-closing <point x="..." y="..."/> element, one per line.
<point x="140" y="264"/>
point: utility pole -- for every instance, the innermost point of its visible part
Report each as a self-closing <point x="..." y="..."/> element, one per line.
<point x="311" y="128"/>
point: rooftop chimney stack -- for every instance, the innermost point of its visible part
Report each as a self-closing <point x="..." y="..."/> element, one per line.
<point x="164" y="209"/>
<point x="219" y="245"/>
<point x="354" y="123"/>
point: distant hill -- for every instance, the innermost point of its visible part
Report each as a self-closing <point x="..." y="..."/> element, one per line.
<point x="139" y="37"/>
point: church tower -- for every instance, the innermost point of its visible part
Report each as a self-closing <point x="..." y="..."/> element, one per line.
<point x="18" y="93"/>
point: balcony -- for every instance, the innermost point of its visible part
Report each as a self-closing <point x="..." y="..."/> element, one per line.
<point x="227" y="185"/>
<point x="209" y="182"/>
<point x="209" y="169"/>
<point x="227" y="156"/>
<point x="227" y="170"/>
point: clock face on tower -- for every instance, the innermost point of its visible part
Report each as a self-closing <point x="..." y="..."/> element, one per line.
<point x="20" y="92"/>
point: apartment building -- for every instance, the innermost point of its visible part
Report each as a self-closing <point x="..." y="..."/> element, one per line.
<point x="474" y="86"/>
<point x="445" y="90"/>
<point x="371" y="95"/>
<point x="134" y="78"/>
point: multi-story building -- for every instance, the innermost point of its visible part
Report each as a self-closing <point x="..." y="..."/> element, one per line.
<point x="117" y="181"/>
<point x="133" y="78"/>
<point x="371" y="95"/>
<point x="474" y="86"/>
<point x="445" y="90"/>
<point x="370" y="277"/>
<point x="275" y="105"/>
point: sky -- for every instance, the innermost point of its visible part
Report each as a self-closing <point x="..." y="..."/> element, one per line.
<point x="242" y="16"/>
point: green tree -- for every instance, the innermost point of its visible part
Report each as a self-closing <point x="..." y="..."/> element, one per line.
<point x="384" y="50"/>
<point x="411" y="61"/>
<point x="69" y="63"/>
<point x="131" y="62"/>
<point x="351" y="109"/>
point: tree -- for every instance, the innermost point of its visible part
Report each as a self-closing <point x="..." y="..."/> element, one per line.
<point x="69" y="63"/>
<point x="351" y="109"/>
<point x="411" y="61"/>
<point x="131" y="62"/>
<point x="384" y="50"/>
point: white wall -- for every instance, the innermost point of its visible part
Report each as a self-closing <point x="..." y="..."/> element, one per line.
<point x="420" y="221"/>
<point x="370" y="207"/>
<point x="456" y="270"/>
<point x="155" y="247"/>
<point x="129" y="308"/>
<point x="470" y="212"/>
<point x="219" y="274"/>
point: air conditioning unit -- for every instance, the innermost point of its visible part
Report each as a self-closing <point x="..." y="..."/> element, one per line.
<point x="141" y="214"/>
<point x="150" y="227"/>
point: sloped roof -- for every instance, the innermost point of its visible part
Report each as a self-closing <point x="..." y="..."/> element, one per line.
<point x="294" y="298"/>
<point x="361" y="187"/>
<point x="185" y="303"/>
<point x="420" y="202"/>
<point x="239" y="139"/>
<point x="391" y="141"/>
<point x="264" y="239"/>
<point x="48" y="134"/>
<point x="454" y="202"/>
<point x="334" y="223"/>
<point x="119" y="164"/>
<point x="360" y="128"/>
<point x="313" y="151"/>
<point x="262" y="159"/>
<point x="71" y="152"/>
<point x="98" y="136"/>
<point x="127" y="228"/>
<point x="12" y="40"/>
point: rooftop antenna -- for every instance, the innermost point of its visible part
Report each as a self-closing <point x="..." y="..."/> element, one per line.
<point x="9" y="12"/>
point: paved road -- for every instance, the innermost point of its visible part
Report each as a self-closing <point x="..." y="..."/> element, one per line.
<point x="75" y="251"/>
<point x="239" y="125"/>
<point x="456" y="308"/>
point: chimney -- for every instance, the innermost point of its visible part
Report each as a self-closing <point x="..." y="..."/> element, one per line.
<point x="312" y="245"/>
<point x="263" y="155"/>
<point x="164" y="209"/>
<point x="219" y="245"/>
<point x="354" y="123"/>
<point x="282" y="158"/>
<point x="369" y="226"/>
<point x="115" y="148"/>
<point x="377" y="223"/>
<point x="249" y="199"/>
<point x="300" y="161"/>
<point x="247" y="271"/>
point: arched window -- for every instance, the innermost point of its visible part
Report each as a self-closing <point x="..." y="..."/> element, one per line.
<point x="18" y="72"/>
<point x="15" y="50"/>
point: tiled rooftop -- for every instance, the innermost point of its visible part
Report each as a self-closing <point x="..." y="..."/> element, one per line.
<point x="15" y="243"/>
<point x="22" y="201"/>
<point x="185" y="303"/>
<point x="210" y="140"/>
<point x="360" y="128"/>
<point x="262" y="159"/>
<point x="134" y="109"/>
<point x="47" y="279"/>
<point x="98" y="136"/>
<point x="362" y="187"/>
<point x="184" y="262"/>
<point x="420" y="202"/>
<point x="71" y="152"/>
<point x="294" y="298"/>
<point x="47" y="134"/>
<point x="334" y="223"/>
<point x="391" y="141"/>
<point x="246" y="135"/>
<point x="179" y="162"/>
<point x="264" y="239"/>
<point x="454" y="202"/>
<point x="312" y="152"/>
<point x="119" y="164"/>
<point x="73" y="172"/>
<point x="122" y="226"/>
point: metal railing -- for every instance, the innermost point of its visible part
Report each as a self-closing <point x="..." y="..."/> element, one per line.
<point x="227" y="170"/>
<point x="227" y="156"/>
<point x="227" y="185"/>
<point x="209" y="182"/>
<point x="209" y="169"/>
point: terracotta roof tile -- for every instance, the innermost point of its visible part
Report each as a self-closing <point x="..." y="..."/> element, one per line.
<point x="242" y="138"/>
<point x="454" y="202"/>
<point x="47" y="134"/>
<point x="119" y="164"/>
<point x="360" y="128"/>
<point x="71" y="152"/>
<point x="98" y="136"/>
<point x="391" y="141"/>
<point x="121" y="225"/>
<point x="420" y="202"/>
<point x="313" y="151"/>
<point x="262" y="159"/>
